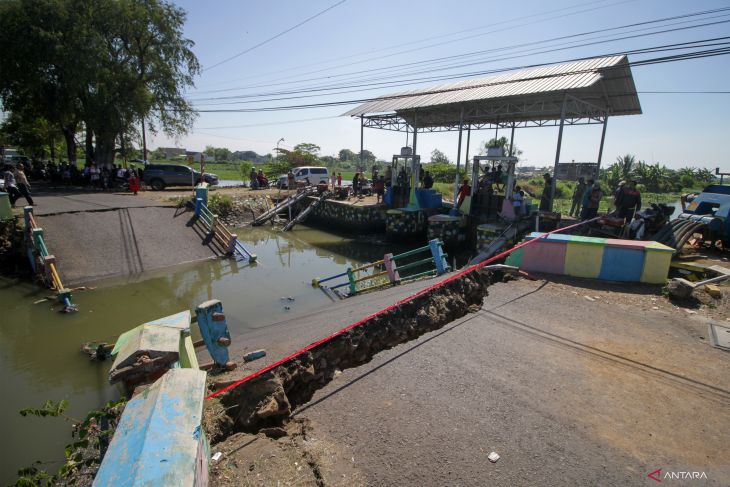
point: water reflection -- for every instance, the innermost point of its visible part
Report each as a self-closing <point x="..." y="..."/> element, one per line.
<point x="39" y="347"/>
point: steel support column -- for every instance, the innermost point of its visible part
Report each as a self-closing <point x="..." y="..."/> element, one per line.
<point x="362" y="135"/>
<point x="458" y="158"/>
<point x="511" y="139"/>
<point x="413" y="202"/>
<point x="600" y="148"/>
<point x="557" y="153"/>
<point x="468" y="141"/>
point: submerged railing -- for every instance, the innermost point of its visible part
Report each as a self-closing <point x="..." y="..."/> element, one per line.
<point x="219" y="230"/>
<point x="389" y="271"/>
<point x="36" y="246"/>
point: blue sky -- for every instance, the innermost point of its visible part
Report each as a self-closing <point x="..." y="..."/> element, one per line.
<point x="350" y="41"/>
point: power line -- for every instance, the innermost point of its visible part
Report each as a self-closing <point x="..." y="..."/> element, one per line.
<point x="646" y="62"/>
<point x="493" y="50"/>
<point x="350" y="63"/>
<point x="276" y="36"/>
<point x="402" y="82"/>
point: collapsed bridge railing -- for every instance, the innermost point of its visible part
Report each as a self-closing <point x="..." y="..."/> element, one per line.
<point x="390" y="271"/>
<point x="218" y="230"/>
<point x="43" y="262"/>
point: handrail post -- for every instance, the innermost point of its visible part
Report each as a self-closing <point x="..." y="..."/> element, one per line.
<point x="27" y="212"/>
<point x="390" y="266"/>
<point x="37" y="235"/>
<point x="27" y="237"/>
<point x="438" y="256"/>
<point x="232" y="244"/>
<point x="48" y="261"/>
<point x="351" y="278"/>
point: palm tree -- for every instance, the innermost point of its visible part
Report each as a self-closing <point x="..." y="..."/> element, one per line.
<point x="626" y="163"/>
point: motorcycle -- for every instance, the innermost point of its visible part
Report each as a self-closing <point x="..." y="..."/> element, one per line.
<point x="612" y="226"/>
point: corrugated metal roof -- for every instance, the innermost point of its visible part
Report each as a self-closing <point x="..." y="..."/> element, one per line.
<point x="609" y="78"/>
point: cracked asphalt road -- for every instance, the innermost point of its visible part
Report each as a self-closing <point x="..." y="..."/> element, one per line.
<point x="567" y="391"/>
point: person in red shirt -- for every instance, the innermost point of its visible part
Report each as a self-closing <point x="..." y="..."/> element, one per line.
<point x="339" y="179"/>
<point x="133" y="183"/>
<point x="464" y="191"/>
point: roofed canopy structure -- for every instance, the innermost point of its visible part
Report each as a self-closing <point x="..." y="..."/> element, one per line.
<point x="591" y="89"/>
<point x="576" y="93"/>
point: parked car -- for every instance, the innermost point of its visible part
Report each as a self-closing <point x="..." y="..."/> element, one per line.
<point x="308" y="174"/>
<point x="159" y="176"/>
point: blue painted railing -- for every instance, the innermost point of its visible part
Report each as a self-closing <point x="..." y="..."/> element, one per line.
<point x="219" y="230"/>
<point x="36" y="245"/>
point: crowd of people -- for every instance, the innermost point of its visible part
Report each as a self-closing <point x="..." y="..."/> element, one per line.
<point x="16" y="184"/>
<point x="587" y="198"/>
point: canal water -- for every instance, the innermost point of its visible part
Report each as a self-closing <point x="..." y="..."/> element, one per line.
<point x="40" y="356"/>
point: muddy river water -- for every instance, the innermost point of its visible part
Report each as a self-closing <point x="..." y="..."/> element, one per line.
<point x="39" y="347"/>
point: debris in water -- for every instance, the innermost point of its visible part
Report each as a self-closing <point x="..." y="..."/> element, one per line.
<point x="493" y="457"/>
<point x="589" y="298"/>
<point x="216" y="456"/>
<point x="286" y="308"/>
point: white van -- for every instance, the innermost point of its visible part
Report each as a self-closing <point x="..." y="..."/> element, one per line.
<point x="305" y="174"/>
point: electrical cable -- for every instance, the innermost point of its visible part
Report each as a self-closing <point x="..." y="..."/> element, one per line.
<point x="231" y="58"/>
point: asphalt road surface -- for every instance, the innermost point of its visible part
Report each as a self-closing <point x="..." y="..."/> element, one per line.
<point x="102" y="235"/>
<point x="566" y="390"/>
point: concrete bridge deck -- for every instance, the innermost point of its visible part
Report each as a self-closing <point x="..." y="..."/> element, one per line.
<point x="102" y="235"/>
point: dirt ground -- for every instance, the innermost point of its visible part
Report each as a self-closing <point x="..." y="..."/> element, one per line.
<point x="300" y="457"/>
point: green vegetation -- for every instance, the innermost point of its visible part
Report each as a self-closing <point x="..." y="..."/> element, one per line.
<point x="93" y="71"/>
<point x="220" y="204"/>
<point x="84" y="454"/>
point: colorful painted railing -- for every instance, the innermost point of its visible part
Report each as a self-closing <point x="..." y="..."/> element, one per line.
<point x="389" y="271"/>
<point x="36" y="246"/>
<point x="220" y="231"/>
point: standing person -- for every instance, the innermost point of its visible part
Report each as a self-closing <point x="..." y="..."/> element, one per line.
<point x="10" y="186"/>
<point x="291" y="180"/>
<point x="630" y="201"/>
<point x="334" y="180"/>
<point x="95" y="175"/>
<point x="427" y="180"/>
<point x="498" y="178"/>
<point x="361" y="184"/>
<point x="355" y="184"/>
<point x="23" y="184"/>
<point x="379" y="188"/>
<point x="464" y="191"/>
<point x="545" y="199"/>
<point x="134" y="183"/>
<point x="618" y="195"/>
<point x="517" y="200"/>
<point x="339" y="179"/>
<point x="578" y="193"/>
<point x="595" y="195"/>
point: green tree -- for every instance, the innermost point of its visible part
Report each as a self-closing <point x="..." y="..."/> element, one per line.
<point x="502" y="142"/>
<point x="438" y="156"/>
<point x="308" y="148"/>
<point x="40" y="75"/>
<point x="110" y="63"/>
<point x="626" y="164"/>
<point x="346" y="155"/>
